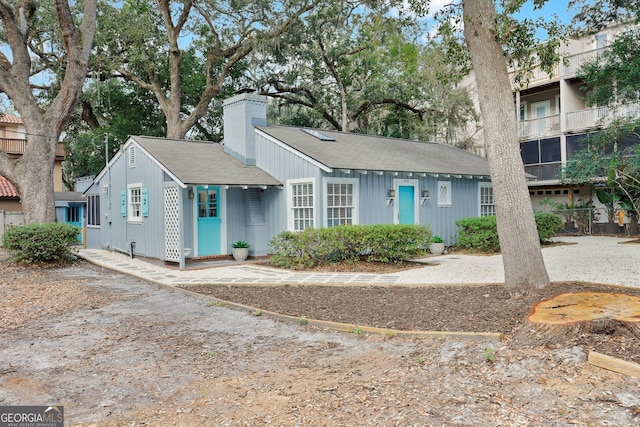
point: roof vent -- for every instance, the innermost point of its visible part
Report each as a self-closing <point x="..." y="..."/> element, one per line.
<point x="321" y="136"/>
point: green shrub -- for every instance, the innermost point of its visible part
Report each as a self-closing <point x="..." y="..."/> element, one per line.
<point x="480" y="234"/>
<point x="48" y="243"/>
<point x="548" y="225"/>
<point x="311" y="247"/>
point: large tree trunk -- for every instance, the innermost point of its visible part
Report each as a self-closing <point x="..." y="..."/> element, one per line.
<point x="520" y="245"/>
<point x="33" y="172"/>
<point x="34" y="178"/>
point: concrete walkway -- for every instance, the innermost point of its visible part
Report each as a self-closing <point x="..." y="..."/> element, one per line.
<point x="594" y="259"/>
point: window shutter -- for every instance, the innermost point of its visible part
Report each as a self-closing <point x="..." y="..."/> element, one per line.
<point x="123" y="203"/>
<point x="145" y="202"/>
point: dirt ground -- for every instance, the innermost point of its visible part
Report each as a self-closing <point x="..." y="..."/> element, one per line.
<point x="118" y="351"/>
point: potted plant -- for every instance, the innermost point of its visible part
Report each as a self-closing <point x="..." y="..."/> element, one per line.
<point x="567" y="210"/>
<point x="240" y="250"/>
<point x="610" y="199"/>
<point x="436" y="245"/>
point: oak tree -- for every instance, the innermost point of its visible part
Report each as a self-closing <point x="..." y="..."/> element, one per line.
<point x="42" y="37"/>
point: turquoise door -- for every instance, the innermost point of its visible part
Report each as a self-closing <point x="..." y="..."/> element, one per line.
<point x="208" y="220"/>
<point x="406" y="204"/>
<point x="74" y="217"/>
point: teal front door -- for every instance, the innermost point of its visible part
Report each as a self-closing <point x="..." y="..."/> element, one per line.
<point x="208" y="220"/>
<point x="74" y="217"/>
<point x="406" y="204"/>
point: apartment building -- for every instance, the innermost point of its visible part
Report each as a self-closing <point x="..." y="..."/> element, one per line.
<point x="553" y="118"/>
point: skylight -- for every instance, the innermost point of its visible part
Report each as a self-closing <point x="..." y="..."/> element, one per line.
<point x="321" y="136"/>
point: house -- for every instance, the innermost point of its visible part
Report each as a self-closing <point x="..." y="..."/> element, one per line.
<point x="9" y="199"/>
<point x="70" y="208"/>
<point x="177" y="199"/>
<point x="13" y="141"/>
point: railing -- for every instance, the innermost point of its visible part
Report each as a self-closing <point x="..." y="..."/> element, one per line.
<point x="599" y="116"/>
<point x="17" y="147"/>
<point x="540" y="126"/>
<point x="585" y="119"/>
<point x="535" y="74"/>
<point x="573" y="63"/>
<point x="544" y="171"/>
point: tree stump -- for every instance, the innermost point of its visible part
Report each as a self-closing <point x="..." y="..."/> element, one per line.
<point x="566" y="316"/>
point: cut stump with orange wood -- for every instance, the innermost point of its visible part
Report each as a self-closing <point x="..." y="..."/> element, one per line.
<point x="568" y="315"/>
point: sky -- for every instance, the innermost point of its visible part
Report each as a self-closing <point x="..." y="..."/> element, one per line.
<point x="559" y="8"/>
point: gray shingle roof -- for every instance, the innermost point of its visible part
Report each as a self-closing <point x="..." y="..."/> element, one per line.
<point x="194" y="162"/>
<point x="366" y="152"/>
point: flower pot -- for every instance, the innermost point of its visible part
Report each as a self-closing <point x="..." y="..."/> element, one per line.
<point x="240" y="254"/>
<point x="436" y="248"/>
<point x="609" y="228"/>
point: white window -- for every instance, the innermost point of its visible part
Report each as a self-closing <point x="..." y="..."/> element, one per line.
<point x="444" y="193"/>
<point x="340" y="199"/>
<point x="486" y="199"/>
<point x="301" y="203"/>
<point x="134" y="202"/>
<point x="93" y="210"/>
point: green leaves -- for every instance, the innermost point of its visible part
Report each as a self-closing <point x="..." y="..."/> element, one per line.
<point x="386" y="243"/>
<point x="613" y="76"/>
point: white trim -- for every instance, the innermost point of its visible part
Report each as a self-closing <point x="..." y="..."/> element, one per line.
<point x="547" y="108"/>
<point x="160" y="165"/>
<point x="480" y="186"/>
<point x="355" y="195"/>
<point x="294" y="151"/>
<point x="523" y="109"/>
<point x="289" y="184"/>
<point x="397" y="183"/>
<point x="135" y="219"/>
<point x="222" y="202"/>
<point x="444" y="186"/>
<point x="120" y="153"/>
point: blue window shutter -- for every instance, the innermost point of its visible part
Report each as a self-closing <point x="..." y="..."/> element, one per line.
<point x="123" y="203"/>
<point x="145" y="202"/>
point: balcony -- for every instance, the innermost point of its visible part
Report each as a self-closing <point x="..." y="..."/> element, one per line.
<point x="535" y="76"/>
<point x="599" y="116"/>
<point x="548" y="125"/>
<point x="16" y="147"/>
<point x="544" y="171"/>
<point x="573" y="63"/>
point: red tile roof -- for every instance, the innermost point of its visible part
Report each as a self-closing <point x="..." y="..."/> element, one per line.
<point x="8" y="118"/>
<point x="6" y="188"/>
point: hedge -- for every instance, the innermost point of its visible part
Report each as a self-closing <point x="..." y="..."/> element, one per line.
<point x="480" y="234"/>
<point x="47" y="243"/>
<point x="311" y="247"/>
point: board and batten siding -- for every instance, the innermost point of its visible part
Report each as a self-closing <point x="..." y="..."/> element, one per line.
<point x="282" y="165"/>
<point x="116" y="232"/>
<point x="373" y="189"/>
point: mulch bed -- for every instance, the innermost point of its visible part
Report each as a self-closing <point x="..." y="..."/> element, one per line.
<point x="473" y="308"/>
